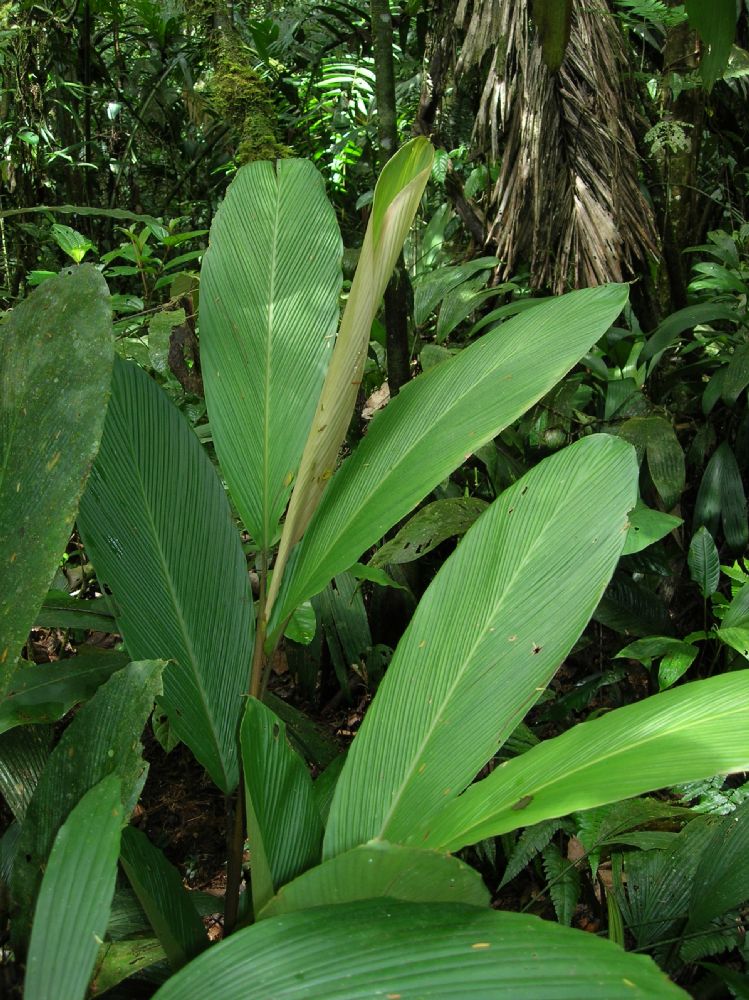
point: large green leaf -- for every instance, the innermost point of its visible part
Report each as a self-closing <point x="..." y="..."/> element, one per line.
<point x="75" y="896"/>
<point x="434" y="422"/>
<point x="684" y="734"/>
<point x="436" y="950"/>
<point x="45" y="692"/>
<point x="23" y="755"/>
<point x="62" y="611"/>
<point x="269" y="291"/>
<point x="157" y="524"/>
<point x="396" y="199"/>
<point x="715" y="20"/>
<point x="429" y="527"/>
<point x="704" y="562"/>
<point x="486" y="639"/>
<point x="655" y="437"/>
<point x="103" y="739"/>
<point x="56" y="352"/>
<point x="283" y="822"/>
<point x="159" y="889"/>
<point x="380" y="869"/>
<point x="721" y="498"/>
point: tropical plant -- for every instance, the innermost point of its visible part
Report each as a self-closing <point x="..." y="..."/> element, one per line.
<point x="363" y="858"/>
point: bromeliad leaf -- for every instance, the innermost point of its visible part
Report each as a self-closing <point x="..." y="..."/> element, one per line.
<point x="434" y="422"/>
<point x="157" y="525"/>
<point x="270" y="283"/>
<point x="476" y="657"/>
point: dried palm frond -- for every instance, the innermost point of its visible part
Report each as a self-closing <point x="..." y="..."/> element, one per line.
<point x="567" y="200"/>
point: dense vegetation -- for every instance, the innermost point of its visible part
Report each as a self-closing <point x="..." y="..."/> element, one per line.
<point x="374" y="435"/>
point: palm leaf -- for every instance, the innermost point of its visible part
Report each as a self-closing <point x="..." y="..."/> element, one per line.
<point x="687" y="733"/>
<point x="157" y="525"/>
<point x="268" y="312"/>
<point x="434" y="422"/>
<point x="486" y="639"/>
<point x="397" y="196"/>
<point x="435" y="950"/>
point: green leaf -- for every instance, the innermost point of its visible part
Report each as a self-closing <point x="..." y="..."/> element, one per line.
<point x="477" y="656"/>
<point x="704" y="562"/>
<point x="61" y="611"/>
<point x="553" y="19"/>
<point x="530" y="842"/>
<point x="436" y="950"/>
<point x="268" y="311"/>
<point x="103" y="739"/>
<point x="283" y="822"/>
<point x="564" y="883"/>
<point x="380" y="869"/>
<point x="734" y="628"/>
<point x="374" y="575"/>
<point x="736" y="377"/>
<point x="431" y="287"/>
<point x="119" y="959"/>
<point x="721" y="880"/>
<point x="71" y="242"/>
<point x="715" y="20"/>
<point x="23" y="756"/>
<point x="682" y="320"/>
<point x="157" y="525"/>
<point x="56" y="354"/>
<point x="655" y="437"/>
<point x="429" y="526"/>
<point x="690" y="732"/>
<point x="75" y="896"/>
<point x="647" y="526"/>
<point x="434" y="422"/>
<point x="167" y="904"/>
<point x="630" y="607"/>
<point x="721" y="498"/>
<point x="44" y="693"/>
<point x="396" y="200"/>
<point x="675" y="664"/>
<point x="302" y="625"/>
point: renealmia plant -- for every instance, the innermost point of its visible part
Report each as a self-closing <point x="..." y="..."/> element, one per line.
<point x="370" y="874"/>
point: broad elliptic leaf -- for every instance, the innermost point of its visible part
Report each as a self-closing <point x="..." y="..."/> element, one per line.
<point x="655" y="437"/>
<point x="62" y="611"/>
<point x="437" y="420"/>
<point x="23" y="756"/>
<point x="647" y="526"/>
<point x="283" y="822"/>
<point x="429" y="526"/>
<point x="158" y="886"/>
<point x="377" y="870"/>
<point x="269" y="291"/>
<point x="117" y="960"/>
<point x="103" y="739"/>
<point x="690" y="732"/>
<point x="397" y="197"/>
<point x="721" y="499"/>
<point x="56" y="352"/>
<point x="45" y="692"/>
<point x="486" y="639"/>
<point x="75" y="896"/>
<point x="734" y="628"/>
<point x="704" y="562"/>
<point x="157" y="525"/>
<point x="389" y="948"/>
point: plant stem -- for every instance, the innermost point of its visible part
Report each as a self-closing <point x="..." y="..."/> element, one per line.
<point x="258" y="655"/>
<point x="234" y="860"/>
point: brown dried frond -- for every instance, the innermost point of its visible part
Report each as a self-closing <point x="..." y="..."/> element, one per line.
<point x="567" y="200"/>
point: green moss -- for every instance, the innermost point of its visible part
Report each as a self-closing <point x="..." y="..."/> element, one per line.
<point x="242" y="98"/>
